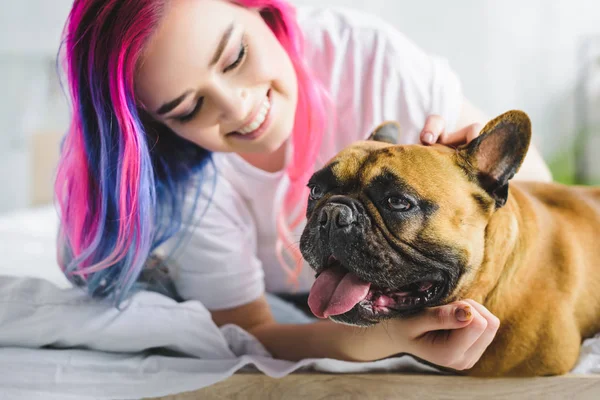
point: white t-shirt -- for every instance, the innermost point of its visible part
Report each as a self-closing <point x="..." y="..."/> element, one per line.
<point x="373" y="73"/>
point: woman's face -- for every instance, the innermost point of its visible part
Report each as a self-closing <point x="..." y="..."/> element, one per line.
<point x="215" y="74"/>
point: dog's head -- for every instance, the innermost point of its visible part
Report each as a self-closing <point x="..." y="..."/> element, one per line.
<point x="392" y="229"/>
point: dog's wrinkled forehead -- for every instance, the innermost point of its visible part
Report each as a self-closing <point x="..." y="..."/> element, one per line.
<point x="418" y="166"/>
<point x="483" y="167"/>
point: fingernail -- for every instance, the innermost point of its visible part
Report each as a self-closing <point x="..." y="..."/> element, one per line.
<point x="428" y="138"/>
<point x="463" y="314"/>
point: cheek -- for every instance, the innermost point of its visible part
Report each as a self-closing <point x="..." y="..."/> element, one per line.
<point x="207" y="138"/>
<point x="405" y="228"/>
<point x="270" y="63"/>
<point x="266" y="67"/>
<point x="464" y="231"/>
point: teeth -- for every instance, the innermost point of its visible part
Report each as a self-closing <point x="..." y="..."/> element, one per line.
<point x="259" y="119"/>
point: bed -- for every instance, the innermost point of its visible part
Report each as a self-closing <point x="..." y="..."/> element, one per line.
<point x="57" y="343"/>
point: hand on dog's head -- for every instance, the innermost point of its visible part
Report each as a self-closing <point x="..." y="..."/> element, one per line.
<point x="392" y="229"/>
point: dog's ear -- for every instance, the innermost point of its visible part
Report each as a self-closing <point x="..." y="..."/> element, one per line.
<point x="388" y="132"/>
<point x="497" y="154"/>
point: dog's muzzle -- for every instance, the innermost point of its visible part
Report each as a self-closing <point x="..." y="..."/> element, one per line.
<point x="359" y="277"/>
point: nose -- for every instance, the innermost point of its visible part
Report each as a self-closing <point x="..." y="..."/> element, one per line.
<point x="234" y="103"/>
<point x="336" y="215"/>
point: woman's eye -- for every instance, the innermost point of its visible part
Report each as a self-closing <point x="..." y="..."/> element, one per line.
<point x="316" y="192"/>
<point x="396" y="203"/>
<point x="241" y="55"/>
<point x="239" y="59"/>
<point x="189" y="116"/>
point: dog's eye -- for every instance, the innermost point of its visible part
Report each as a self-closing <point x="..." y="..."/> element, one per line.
<point x="316" y="192"/>
<point x="398" y="203"/>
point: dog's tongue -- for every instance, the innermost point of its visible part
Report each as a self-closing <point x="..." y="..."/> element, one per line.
<point x="336" y="291"/>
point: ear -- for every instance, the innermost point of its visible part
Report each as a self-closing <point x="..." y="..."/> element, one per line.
<point x="388" y="132"/>
<point x="497" y="154"/>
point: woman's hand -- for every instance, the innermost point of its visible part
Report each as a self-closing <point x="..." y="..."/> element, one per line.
<point x="434" y="131"/>
<point x="534" y="167"/>
<point x="453" y="336"/>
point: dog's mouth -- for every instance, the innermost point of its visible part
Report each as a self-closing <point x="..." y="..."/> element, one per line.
<point x="337" y="291"/>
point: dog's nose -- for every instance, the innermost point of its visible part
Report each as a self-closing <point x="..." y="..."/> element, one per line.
<point x="341" y="215"/>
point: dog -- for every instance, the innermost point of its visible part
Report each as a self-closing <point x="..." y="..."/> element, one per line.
<point x="392" y="229"/>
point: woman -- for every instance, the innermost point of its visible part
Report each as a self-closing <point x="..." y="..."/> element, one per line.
<point x="196" y="124"/>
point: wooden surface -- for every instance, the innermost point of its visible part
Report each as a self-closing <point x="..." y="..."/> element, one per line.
<point x="316" y="386"/>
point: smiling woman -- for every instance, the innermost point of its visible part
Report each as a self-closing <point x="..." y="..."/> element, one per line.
<point x="236" y="93"/>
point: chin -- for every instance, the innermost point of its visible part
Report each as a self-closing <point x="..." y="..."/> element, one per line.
<point x="272" y="145"/>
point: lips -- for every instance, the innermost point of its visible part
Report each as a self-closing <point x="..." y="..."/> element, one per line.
<point x="258" y="119"/>
<point x="257" y="123"/>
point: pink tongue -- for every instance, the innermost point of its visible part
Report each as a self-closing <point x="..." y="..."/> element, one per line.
<point x="336" y="291"/>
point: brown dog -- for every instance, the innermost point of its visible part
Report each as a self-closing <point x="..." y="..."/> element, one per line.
<point x="393" y="229"/>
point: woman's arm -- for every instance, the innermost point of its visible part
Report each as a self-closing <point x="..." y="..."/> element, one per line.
<point x="322" y="339"/>
<point x="440" y="335"/>
<point x="468" y="126"/>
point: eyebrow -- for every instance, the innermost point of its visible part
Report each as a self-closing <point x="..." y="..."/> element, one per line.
<point x="222" y="44"/>
<point x="170" y="105"/>
<point x="324" y="175"/>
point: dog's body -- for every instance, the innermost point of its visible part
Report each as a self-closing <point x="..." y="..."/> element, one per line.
<point x="541" y="278"/>
<point x="393" y="229"/>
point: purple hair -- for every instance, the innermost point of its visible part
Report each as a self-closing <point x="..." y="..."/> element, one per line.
<point x="120" y="190"/>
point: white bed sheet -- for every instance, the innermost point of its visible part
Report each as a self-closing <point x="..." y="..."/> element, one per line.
<point x="55" y="342"/>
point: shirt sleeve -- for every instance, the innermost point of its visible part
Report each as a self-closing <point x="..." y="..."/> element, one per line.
<point x="216" y="262"/>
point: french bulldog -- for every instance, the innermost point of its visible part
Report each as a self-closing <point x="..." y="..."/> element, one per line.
<point x="392" y="229"/>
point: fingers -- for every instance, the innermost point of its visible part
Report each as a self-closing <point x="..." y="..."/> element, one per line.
<point x="434" y="131"/>
<point x="452" y="343"/>
<point x="461" y="136"/>
<point x="450" y="316"/>
<point x="461" y="342"/>
<point x="493" y="323"/>
<point x="434" y="127"/>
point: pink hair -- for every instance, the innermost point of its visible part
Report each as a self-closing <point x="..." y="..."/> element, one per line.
<point x="308" y="132"/>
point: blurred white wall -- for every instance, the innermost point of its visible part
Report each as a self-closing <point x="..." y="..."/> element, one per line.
<point x="31" y="101"/>
<point x="509" y="54"/>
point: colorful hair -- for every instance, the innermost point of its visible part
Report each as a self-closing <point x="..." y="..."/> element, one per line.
<point x="123" y="178"/>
